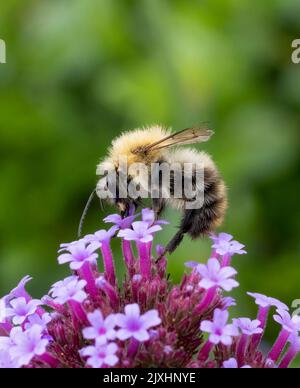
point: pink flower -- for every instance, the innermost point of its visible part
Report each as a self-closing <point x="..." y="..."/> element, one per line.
<point x="288" y="323"/>
<point x="79" y="254"/>
<point x="247" y="326"/>
<point x="148" y="216"/>
<point x="102" y="235"/>
<point x="66" y="246"/>
<point x="157" y="328"/>
<point x="135" y="325"/>
<point x="72" y="288"/>
<point x="219" y="330"/>
<point x="233" y="364"/>
<point x="19" y="291"/>
<point x="62" y="283"/>
<point x="6" y="362"/>
<point x="27" y="345"/>
<point x="137" y="278"/>
<point x="224" y="245"/>
<point x="6" y="342"/>
<point x="265" y="301"/>
<point x="3" y="313"/>
<point x="19" y="309"/>
<point x="228" y="302"/>
<point x="191" y="264"/>
<point x="38" y="320"/>
<point x="294" y="340"/>
<point x="214" y="276"/>
<point x="141" y="232"/>
<point x="101" y="329"/>
<point x="100" y="355"/>
<point x="121" y="223"/>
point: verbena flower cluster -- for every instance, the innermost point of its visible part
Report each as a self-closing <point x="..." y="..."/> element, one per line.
<point x="88" y="320"/>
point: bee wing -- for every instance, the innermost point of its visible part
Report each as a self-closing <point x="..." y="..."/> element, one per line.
<point x="184" y="137"/>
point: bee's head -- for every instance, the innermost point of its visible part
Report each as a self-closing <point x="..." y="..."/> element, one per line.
<point x="124" y="159"/>
<point x="111" y="188"/>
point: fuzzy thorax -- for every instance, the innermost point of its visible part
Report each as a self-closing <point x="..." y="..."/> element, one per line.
<point x="125" y="145"/>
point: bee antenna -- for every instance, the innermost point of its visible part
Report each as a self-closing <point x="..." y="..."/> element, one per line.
<point x="85" y="211"/>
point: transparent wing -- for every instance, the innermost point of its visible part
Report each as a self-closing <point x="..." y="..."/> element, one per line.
<point x="186" y="136"/>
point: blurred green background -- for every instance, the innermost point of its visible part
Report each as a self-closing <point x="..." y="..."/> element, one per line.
<point x="79" y="72"/>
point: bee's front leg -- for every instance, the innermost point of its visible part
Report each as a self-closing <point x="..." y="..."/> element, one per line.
<point x="186" y="224"/>
<point x="126" y="207"/>
<point x="123" y="207"/>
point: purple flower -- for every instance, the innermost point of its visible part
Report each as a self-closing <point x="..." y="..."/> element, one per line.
<point x="288" y="323"/>
<point x="121" y="223"/>
<point x="224" y="245"/>
<point x="6" y="362"/>
<point x="228" y="302"/>
<point x="100" y="355"/>
<point x="62" y="283"/>
<point x="291" y="352"/>
<point x="219" y="330"/>
<point x="27" y="345"/>
<point x="265" y="301"/>
<point x="247" y="326"/>
<point x="3" y="313"/>
<point x="294" y="340"/>
<point x="233" y="364"/>
<point x="6" y="342"/>
<point x="137" y="278"/>
<point x="19" y="309"/>
<point x="153" y="333"/>
<point x="101" y="329"/>
<point x="101" y="282"/>
<point x="102" y="235"/>
<point x="191" y="264"/>
<point x="38" y="320"/>
<point x="79" y="254"/>
<point x="19" y="291"/>
<point x="84" y="311"/>
<point x="148" y="216"/>
<point x="72" y="288"/>
<point x="66" y="246"/>
<point x="168" y="349"/>
<point x="279" y="305"/>
<point x="135" y="325"/>
<point x="214" y="276"/>
<point x="189" y="288"/>
<point x="230" y="364"/>
<point x="141" y="232"/>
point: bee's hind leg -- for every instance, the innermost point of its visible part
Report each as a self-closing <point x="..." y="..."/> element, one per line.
<point x="126" y="207"/>
<point x="158" y="206"/>
<point x="185" y="227"/>
<point x="175" y="242"/>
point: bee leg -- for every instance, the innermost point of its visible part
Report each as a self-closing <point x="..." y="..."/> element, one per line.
<point x="185" y="226"/>
<point x="175" y="242"/>
<point x="158" y="206"/>
<point x="129" y="208"/>
<point x="124" y="207"/>
<point x="133" y="208"/>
